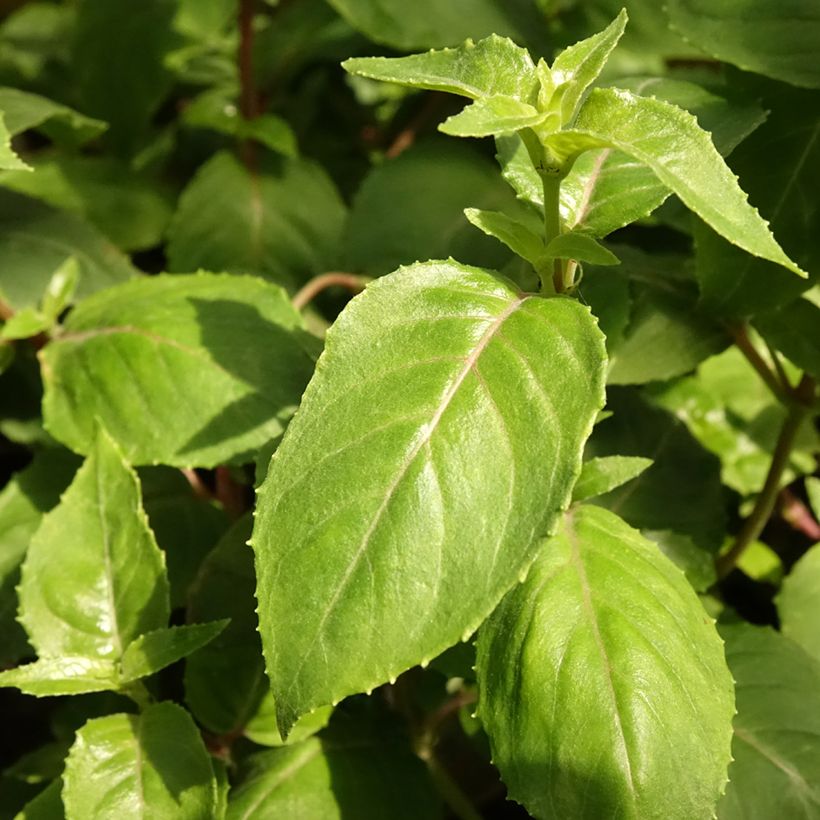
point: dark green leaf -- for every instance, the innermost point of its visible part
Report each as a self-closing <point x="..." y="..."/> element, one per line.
<point x="798" y="602"/>
<point x="793" y="330"/>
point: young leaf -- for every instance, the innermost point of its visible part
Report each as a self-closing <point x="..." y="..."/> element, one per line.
<point x="25" y="323"/>
<point x="93" y="579"/>
<point x="682" y="156"/>
<point x="648" y="733"/>
<point x="441" y="389"/>
<point x="155" y="650"/>
<point x="491" y="67"/>
<point x="63" y="675"/>
<point x="152" y="765"/>
<point x="777" y="39"/>
<point x="776" y="746"/>
<point x="600" y="475"/>
<point x="492" y="115"/>
<point x="234" y="362"/>
<point x="281" y="221"/>
<point x="523" y="238"/>
<point x="798" y="602"/>
<point x="581" y="247"/>
<point x="578" y="66"/>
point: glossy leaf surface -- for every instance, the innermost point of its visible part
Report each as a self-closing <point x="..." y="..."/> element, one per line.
<point x="215" y="382"/>
<point x="669" y="141"/>
<point x="467" y="401"/>
<point x="776" y="746"/>
<point x="152" y="765"/>
<point x="648" y="733"/>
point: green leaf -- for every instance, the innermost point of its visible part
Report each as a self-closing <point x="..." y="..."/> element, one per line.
<point x="431" y="24"/>
<point x="155" y="650"/>
<point x="580" y="247"/>
<point x="682" y="156"/>
<point x="234" y="362"/>
<point x="152" y="765"/>
<point x="61" y="289"/>
<point x="435" y="181"/>
<point x="225" y="680"/>
<point x="697" y="564"/>
<point x="107" y="584"/>
<point x="35" y="240"/>
<point x="793" y="331"/>
<point x="798" y="602"/>
<point x="680" y="492"/>
<point x="487" y="398"/>
<point x="493" y="67"/>
<point x="25" y="323"/>
<point x="23" y="500"/>
<point x="129" y="91"/>
<point x="648" y="733"/>
<point x="130" y="209"/>
<point x="23" y="111"/>
<point x="9" y="161"/>
<point x="779" y="166"/>
<point x="776" y="746"/>
<point x="779" y="40"/>
<point x="64" y="675"/>
<point x="521" y="237"/>
<point x="263" y="729"/>
<point x="578" y="66"/>
<point x="282" y="221"/>
<point x="48" y="804"/>
<point x="488" y="116"/>
<point x="601" y="475"/>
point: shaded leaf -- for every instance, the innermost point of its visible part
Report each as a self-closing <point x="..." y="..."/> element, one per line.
<point x="485" y="399"/>
<point x="48" y="805"/>
<point x="793" y="331"/>
<point x="601" y="475"/>
<point x="798" y="602"/>
<point x="520" y="236"/>
<point x="648" y="733"/>
<point x="9" y="161"/>
<point x="23" y="110"/>
<point x="234" y="362"/>
<point x="580" y="247"/>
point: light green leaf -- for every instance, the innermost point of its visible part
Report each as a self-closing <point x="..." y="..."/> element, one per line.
<point x="61" y="288"/>
<point x="155" y="650"/>
<point x="25" y="323"/>
<point x="225" y="680"/>
<point x="793" y="330"/>
<point x="64" y="675"/>
<point x="132" y="210"/>
<point x="761" y="563"/>
<point x="492" y="115"/>
<point x="776" y="746"/>
<point x="234" y="362"/>
<point x="491" y="67"/>
<point x="648" y="734"/>
<point x="487" y="396"/>
<point x="520" y="236"/>
<point x="583" y="248"/>
<point x="9" y="161"/>
<point x="798" y="602"/>
<point x="93" y="579"/>
<point x="36" y="239"/>
<point x="600" y="475"/>
<point x="282" y="221"/>
<point x="152" y="765"/>
<point x="682" y="156"/>
<point x="578" y="66"/>
<point x="432" y="24"/>
<point x="435" y="180"/>
<point x="23" y="110"/>
<point x="777" y="39"/>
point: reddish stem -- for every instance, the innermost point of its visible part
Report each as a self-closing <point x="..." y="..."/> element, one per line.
<point x="316" y="285"/>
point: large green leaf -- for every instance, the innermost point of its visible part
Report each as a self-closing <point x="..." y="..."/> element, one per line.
<point x="132" y="49"/>
<point x="130" y="209"/>
<point x="23" y="110"/>
<point x="648" y="732"/>
<point x="431" y="24"/>
<point x="25" y="498"/>
<point x="437" y="442"/>
<point x="777" y="39"/>
<point x="680" y="153"/>
<point x="281" y="221"/>
<point x="493" y="67"/>
<point x="798" y="602"/>
<point x="152" y="765"/>
<point x="93" y="579"/>
<point x="779" y="165"/>
<point x="36" y="239"/>
<point x="435" y="181"/>
<point x="233" y="361"/>
<point x="776" y="747"/>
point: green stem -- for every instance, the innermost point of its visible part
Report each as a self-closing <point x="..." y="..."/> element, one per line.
<point x="138" y="692"/>
<point x="552" y="224"/>
<point x="762" y="510"/>
<point x="460" y="805"/>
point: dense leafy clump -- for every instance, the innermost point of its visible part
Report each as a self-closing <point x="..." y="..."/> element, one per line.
<point x="355" y="470"/>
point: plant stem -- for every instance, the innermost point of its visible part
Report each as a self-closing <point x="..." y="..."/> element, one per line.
<point x="762" y="510"/>
<point x="248" y="98"/>
<point x="552" y="224"/>
<point x="315" y="286"/>
<point x="137" y="691"/>
<point x="740" y="334"/>
<point x="460" y="805"/>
